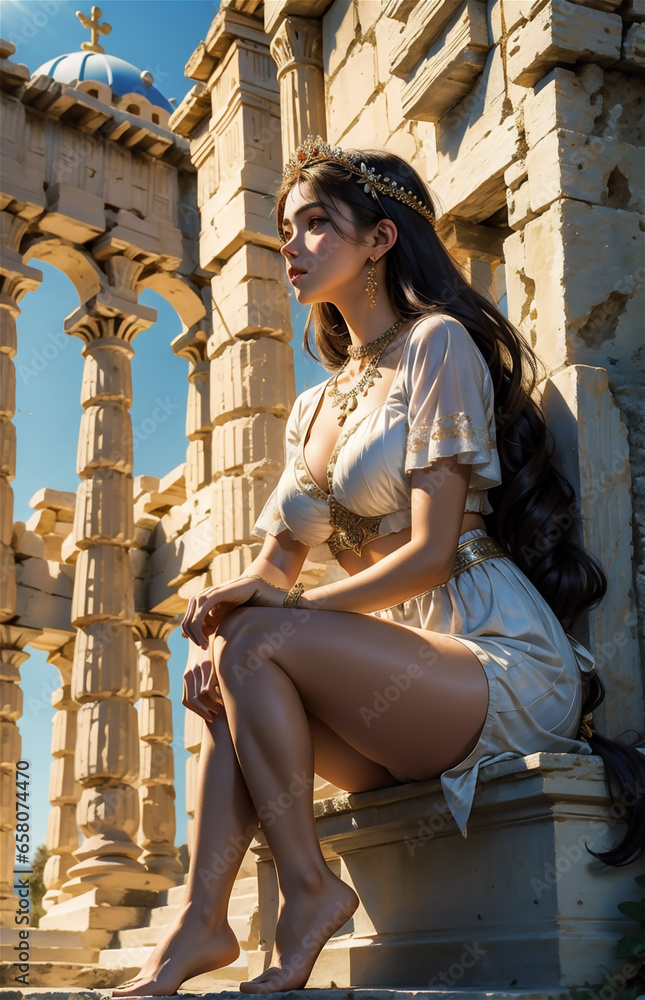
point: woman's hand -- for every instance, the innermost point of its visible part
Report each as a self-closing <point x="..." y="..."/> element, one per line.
<point x="201" y="691"/>
<point x="207" y="611"/>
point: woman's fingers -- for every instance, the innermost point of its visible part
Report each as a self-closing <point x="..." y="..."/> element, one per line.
<point x="186" y="622"/>
<point x="191" y="696"/>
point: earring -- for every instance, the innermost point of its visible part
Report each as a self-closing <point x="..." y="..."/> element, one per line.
<point x="370" y="287"/>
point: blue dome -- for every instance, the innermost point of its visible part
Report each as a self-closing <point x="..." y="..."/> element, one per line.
<point x="121" y="76"/>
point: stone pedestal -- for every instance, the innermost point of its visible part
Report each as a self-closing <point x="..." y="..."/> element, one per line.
<point x="518" y="904"/>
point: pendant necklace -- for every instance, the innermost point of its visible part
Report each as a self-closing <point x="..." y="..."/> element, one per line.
<point x="348" y="401"/>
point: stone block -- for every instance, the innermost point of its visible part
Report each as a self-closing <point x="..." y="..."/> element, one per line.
<point x="10" y="701"/>
<point x="104" y="510"/>
<point x="108" y="742"/>
<point x="155" y="719"/>
<point x="105" y="663"/>
<point x="226" y="227"/>
<point x="345" y="104"/>
<point x="550" y="921"/>
<point x="156" y="764"/>
<point x="471" y="161"/>
<point x="590" y="169"/>
<point x="250" y="375"/>
<point x="252" y="444"/>
<point x="44" y="612"/>
<point x="577" y="294"/>
<point x="92" y="600"/>
<point x="63" y="788"/>
<point x="105" y="440"/>
<point x="107" y="377"/>
<point x="564" y="99"/>
<point x="61" y="826"/>
<point x="592" y="450"/>
<point x="339" y="34"/>
<point x="44" y="576"/>
<point x="27" y="544"/>
<point x="157" y="804"/>
<point x="252" y="307"/>
<point x="42" y="522"/>
<point x="632" y="55"/>
<point x="73" y="213"/>
<point x="562" y="32"/>
<point x="423" y="26"/>
<point x="448" y="71"/>
<point x="172" y="487"/>
<point x="64" y="732"/>
<point x="275" y="10"/>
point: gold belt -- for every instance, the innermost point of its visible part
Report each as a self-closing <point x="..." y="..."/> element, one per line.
<point x="475" y="550"/>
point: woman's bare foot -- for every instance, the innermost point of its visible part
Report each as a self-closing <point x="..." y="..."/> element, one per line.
<point x="188" y="948"/>
<point x="305" y="924"/>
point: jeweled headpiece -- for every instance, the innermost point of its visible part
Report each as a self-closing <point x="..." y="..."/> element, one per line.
<point x="316" y="150"/>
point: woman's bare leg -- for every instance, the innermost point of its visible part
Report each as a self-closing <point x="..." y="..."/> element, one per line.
<point x="225" y="822"/>
<point x="333" y="667"/>
<point x="200" y="939"/>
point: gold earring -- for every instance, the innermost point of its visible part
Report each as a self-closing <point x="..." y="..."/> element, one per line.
<point x="370" y="287"/>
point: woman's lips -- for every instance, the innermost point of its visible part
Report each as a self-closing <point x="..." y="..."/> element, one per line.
<point x="294" y="274"/>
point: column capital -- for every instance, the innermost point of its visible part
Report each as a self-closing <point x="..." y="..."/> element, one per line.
<point x="17" y="277"/>
<point x="114" y="310"/>
<point x="297" y="42"/>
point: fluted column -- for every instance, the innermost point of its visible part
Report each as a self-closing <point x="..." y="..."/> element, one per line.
<point x="297" y="51"/>
<point x="157" y="771"/>
<point x="64" y="790"/>
<point x="12" y="794"/>
<point x="105" y="675"/>
<point x="192" y="346"/>
<point x="16" y="279"/>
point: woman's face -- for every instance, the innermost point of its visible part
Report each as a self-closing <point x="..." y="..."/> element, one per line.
<point x="321" y="265"/>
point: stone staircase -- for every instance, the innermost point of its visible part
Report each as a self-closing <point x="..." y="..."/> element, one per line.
<point x="101" y="958"/>
<point x="310" y="994"/>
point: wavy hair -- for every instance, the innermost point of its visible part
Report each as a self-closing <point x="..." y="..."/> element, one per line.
<point x="535" y="517"/>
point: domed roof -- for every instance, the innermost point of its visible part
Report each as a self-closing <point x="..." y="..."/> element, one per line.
<point x="121" y="76"/>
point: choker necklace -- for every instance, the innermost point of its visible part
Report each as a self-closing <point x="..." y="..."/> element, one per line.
<point x="348" y="400"/>
<point x="362" y="349"/>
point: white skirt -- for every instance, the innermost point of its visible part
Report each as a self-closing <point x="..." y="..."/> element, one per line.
<point x="533" y="667"/>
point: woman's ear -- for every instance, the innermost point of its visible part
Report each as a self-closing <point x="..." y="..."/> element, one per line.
<point x="385" y="235"/>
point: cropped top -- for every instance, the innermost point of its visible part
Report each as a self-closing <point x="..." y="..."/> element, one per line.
<point x="440" y="403"/>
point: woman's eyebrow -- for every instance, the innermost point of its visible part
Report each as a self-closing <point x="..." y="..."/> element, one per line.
<point x="303" y="208"/>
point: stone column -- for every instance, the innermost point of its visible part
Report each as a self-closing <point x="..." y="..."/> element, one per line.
<point x="12" y="640"/>
<point x="16" y="280"/>
<point x="104" y="675"/>
<point x="157" y="771"/>
<point x="64" y="790"/>
<point x="297" y="50"/>
<point x="192" y="346"/>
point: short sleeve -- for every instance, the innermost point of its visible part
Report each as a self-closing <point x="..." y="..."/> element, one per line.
<point x="450" y="402"/>
<point x="270" y="520"/>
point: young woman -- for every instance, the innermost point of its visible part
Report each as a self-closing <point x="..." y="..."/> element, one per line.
<point x="422" y="465"/>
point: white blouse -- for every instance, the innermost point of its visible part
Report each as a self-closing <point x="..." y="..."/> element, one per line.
<point x="440" y="403"/>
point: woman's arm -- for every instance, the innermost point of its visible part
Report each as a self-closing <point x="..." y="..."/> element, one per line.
<point x="438" y="499"/>
<point x="280" y="560"/>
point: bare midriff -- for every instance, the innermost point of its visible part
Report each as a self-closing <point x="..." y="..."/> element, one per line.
<point x="384" y="544"/>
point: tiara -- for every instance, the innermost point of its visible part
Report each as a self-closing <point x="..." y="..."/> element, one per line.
<point x="316" y="150"/>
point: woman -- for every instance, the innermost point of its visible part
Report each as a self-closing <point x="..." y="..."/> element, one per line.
<point x="460" y="559"/>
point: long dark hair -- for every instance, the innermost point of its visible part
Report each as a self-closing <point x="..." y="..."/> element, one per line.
<point x="535" y="517"/>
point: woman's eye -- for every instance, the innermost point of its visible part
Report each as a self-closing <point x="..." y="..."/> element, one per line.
<point x="314" y="219"/>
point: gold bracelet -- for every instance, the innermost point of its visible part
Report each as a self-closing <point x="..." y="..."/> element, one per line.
<point x="291" y="600"/>
<point x="254" y="576"/>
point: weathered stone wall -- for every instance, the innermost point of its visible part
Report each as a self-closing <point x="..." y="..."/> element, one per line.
<point x="525" y="119"/>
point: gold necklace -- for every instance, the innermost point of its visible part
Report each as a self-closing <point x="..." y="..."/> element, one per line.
<point x="348" y="400"/>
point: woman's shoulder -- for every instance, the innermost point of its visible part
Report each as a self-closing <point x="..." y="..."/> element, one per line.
<point x="437" y="336"/>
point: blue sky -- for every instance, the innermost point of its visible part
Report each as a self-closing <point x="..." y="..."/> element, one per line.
<point x="159" y="37"/>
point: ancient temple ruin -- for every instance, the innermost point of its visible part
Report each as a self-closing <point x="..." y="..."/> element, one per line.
<point x="525" y="117"/>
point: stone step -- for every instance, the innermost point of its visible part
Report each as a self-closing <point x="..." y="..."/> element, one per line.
<point x="58" y="975"/>
<point x="223" y="993"/>
<point x="82" y="956"/>
<point x="142" y="937"/>
<point x="122" y="958"/>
